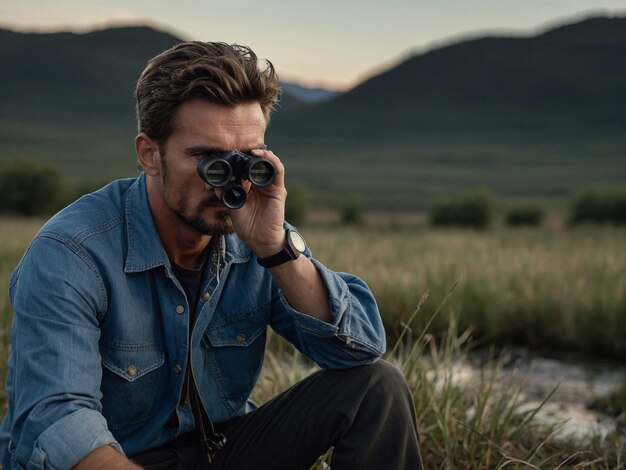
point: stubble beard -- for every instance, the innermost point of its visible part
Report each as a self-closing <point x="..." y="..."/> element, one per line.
<point x="223" y="224"/>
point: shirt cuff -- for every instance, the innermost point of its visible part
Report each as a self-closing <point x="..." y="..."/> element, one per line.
<point x="67" y="441"/>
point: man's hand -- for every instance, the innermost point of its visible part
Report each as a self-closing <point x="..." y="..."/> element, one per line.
<point x="259" y="223"/>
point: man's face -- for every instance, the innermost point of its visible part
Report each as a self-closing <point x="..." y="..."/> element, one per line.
<point x="203" y="128"/>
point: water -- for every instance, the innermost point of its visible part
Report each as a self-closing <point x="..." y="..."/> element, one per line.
<point x="578" y="386"/>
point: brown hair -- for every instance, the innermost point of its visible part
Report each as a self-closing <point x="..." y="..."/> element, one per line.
<point x="220" y="73"/>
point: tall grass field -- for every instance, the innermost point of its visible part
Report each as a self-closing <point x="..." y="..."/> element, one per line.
<point x="559" y="289"/>
<point x="442" y="291"/>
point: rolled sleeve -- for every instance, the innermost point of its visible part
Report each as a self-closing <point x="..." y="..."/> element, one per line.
<point x="67" y="441"/>
<point x="55" y="371"/>
<point x="355" y="336"/>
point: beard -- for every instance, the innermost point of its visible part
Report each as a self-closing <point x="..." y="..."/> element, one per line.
<point x="222" y="225"/>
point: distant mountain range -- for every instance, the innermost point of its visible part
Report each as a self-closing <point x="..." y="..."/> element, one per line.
<point x="532" y="119"/>
<point x="575" y="69"/>
<point x="308" y="94"/>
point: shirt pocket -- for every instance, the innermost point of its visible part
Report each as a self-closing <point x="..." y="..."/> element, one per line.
<point x="130" y="375"/>
<point x="235" y="347"/>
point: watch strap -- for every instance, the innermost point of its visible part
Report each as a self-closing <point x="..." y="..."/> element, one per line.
<point x="277" y="259"/>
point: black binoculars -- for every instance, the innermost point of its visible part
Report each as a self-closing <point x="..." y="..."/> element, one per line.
<point x="227" y="171"/>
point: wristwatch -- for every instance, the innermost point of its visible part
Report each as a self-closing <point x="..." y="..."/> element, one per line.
<point x="294" y="247"/>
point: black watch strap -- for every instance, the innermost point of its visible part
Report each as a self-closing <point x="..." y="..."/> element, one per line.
<point x="275" y="260"/>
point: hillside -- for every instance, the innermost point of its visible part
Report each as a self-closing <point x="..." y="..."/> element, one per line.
<point x="579" y="69"/>
<point x="530" y="118"/>
<point x="68" y="98"/>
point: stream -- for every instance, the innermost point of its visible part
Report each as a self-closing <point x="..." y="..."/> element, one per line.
<point x="578" y="386"/>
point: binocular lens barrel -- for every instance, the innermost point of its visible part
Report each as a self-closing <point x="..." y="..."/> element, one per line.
<point x="234" y="195"/>
<point x="228" y="172"/>
<point x="260" y="172"/>
<point x="215" y="172"/>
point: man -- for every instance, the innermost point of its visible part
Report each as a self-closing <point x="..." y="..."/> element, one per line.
<point x="141" y="309"/>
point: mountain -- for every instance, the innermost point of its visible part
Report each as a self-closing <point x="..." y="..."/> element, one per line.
<point x="566" y="69"/>
<point x="68" y="98"/>
<point x="527" y="117"/>
<point x="84" y="74"/>
<point x="308" y="94"/>
<point x="531" y="118"/>
<point x="64" y="94"/>
<point x="577" y="70"/>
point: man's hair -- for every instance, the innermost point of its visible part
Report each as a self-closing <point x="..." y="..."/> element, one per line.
<point x="223" y="74"/>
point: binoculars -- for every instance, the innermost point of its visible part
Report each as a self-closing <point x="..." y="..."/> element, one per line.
<point x="228" y="170"/>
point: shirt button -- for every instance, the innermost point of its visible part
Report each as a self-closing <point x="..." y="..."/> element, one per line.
<point x="177" y="368"/>
<point x="180" y="309"/>
<point x="206" y="296"/>
<point x="240" y="337"/>
<point x="132" y="370"/>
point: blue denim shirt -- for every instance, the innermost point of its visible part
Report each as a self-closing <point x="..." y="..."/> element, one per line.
<point x="100" y="333"/>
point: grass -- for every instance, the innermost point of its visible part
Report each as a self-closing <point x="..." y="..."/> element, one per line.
<point x="479" y="423"/>
<point x="403" y="172"/>
<point x="15" y="234"/>
<point x="554" y="289"/>
<point x="511" y="286"/>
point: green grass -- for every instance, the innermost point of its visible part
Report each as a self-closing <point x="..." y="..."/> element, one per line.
<point x="391" y="174"/>
<point x="406" y="171"/>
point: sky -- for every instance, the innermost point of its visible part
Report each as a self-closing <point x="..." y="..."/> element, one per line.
<point x="330" y="43"/>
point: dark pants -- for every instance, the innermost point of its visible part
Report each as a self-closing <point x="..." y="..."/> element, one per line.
<point x="365" y="413"/>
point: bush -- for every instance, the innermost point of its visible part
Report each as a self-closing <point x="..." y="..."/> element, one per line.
<point x="352" y="212"/>
<point x="473" y="210"/>
<point x="31" y="188"/>
<point x="528" y="215"/>
<point x="298" y="203"/>
<point x="599" y="206"/>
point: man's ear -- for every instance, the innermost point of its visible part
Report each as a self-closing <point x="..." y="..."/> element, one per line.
<point x="148" y="154"/>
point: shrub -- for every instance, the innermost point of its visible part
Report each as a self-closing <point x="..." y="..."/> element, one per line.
<point x="525" y="215"/>
<point x="599" y="206"/>
<point x="352" y="212"/>
<point x="473" y="210"/>
<point x="31" y="188"/>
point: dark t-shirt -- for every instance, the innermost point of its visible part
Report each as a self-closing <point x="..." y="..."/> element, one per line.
<point x="190" y="280"/>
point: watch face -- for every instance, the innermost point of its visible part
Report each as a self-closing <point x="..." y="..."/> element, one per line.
<point x="297" y="241"/>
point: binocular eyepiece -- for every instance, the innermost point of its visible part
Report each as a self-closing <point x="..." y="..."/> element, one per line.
<point x="228" y="170"/>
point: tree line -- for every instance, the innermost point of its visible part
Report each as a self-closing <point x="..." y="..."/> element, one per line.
<point x="477" y="210"/>
<point x="30" y="188"/>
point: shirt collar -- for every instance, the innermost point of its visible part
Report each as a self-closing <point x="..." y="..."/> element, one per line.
<point x="145" y="250"/>
<point x="236" y="250"/>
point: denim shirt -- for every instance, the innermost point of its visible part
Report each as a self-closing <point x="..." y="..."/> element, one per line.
<point x="99" y="335"/>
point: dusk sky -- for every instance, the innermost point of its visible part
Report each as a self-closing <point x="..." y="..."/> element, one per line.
<point x="330" y="43"/>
